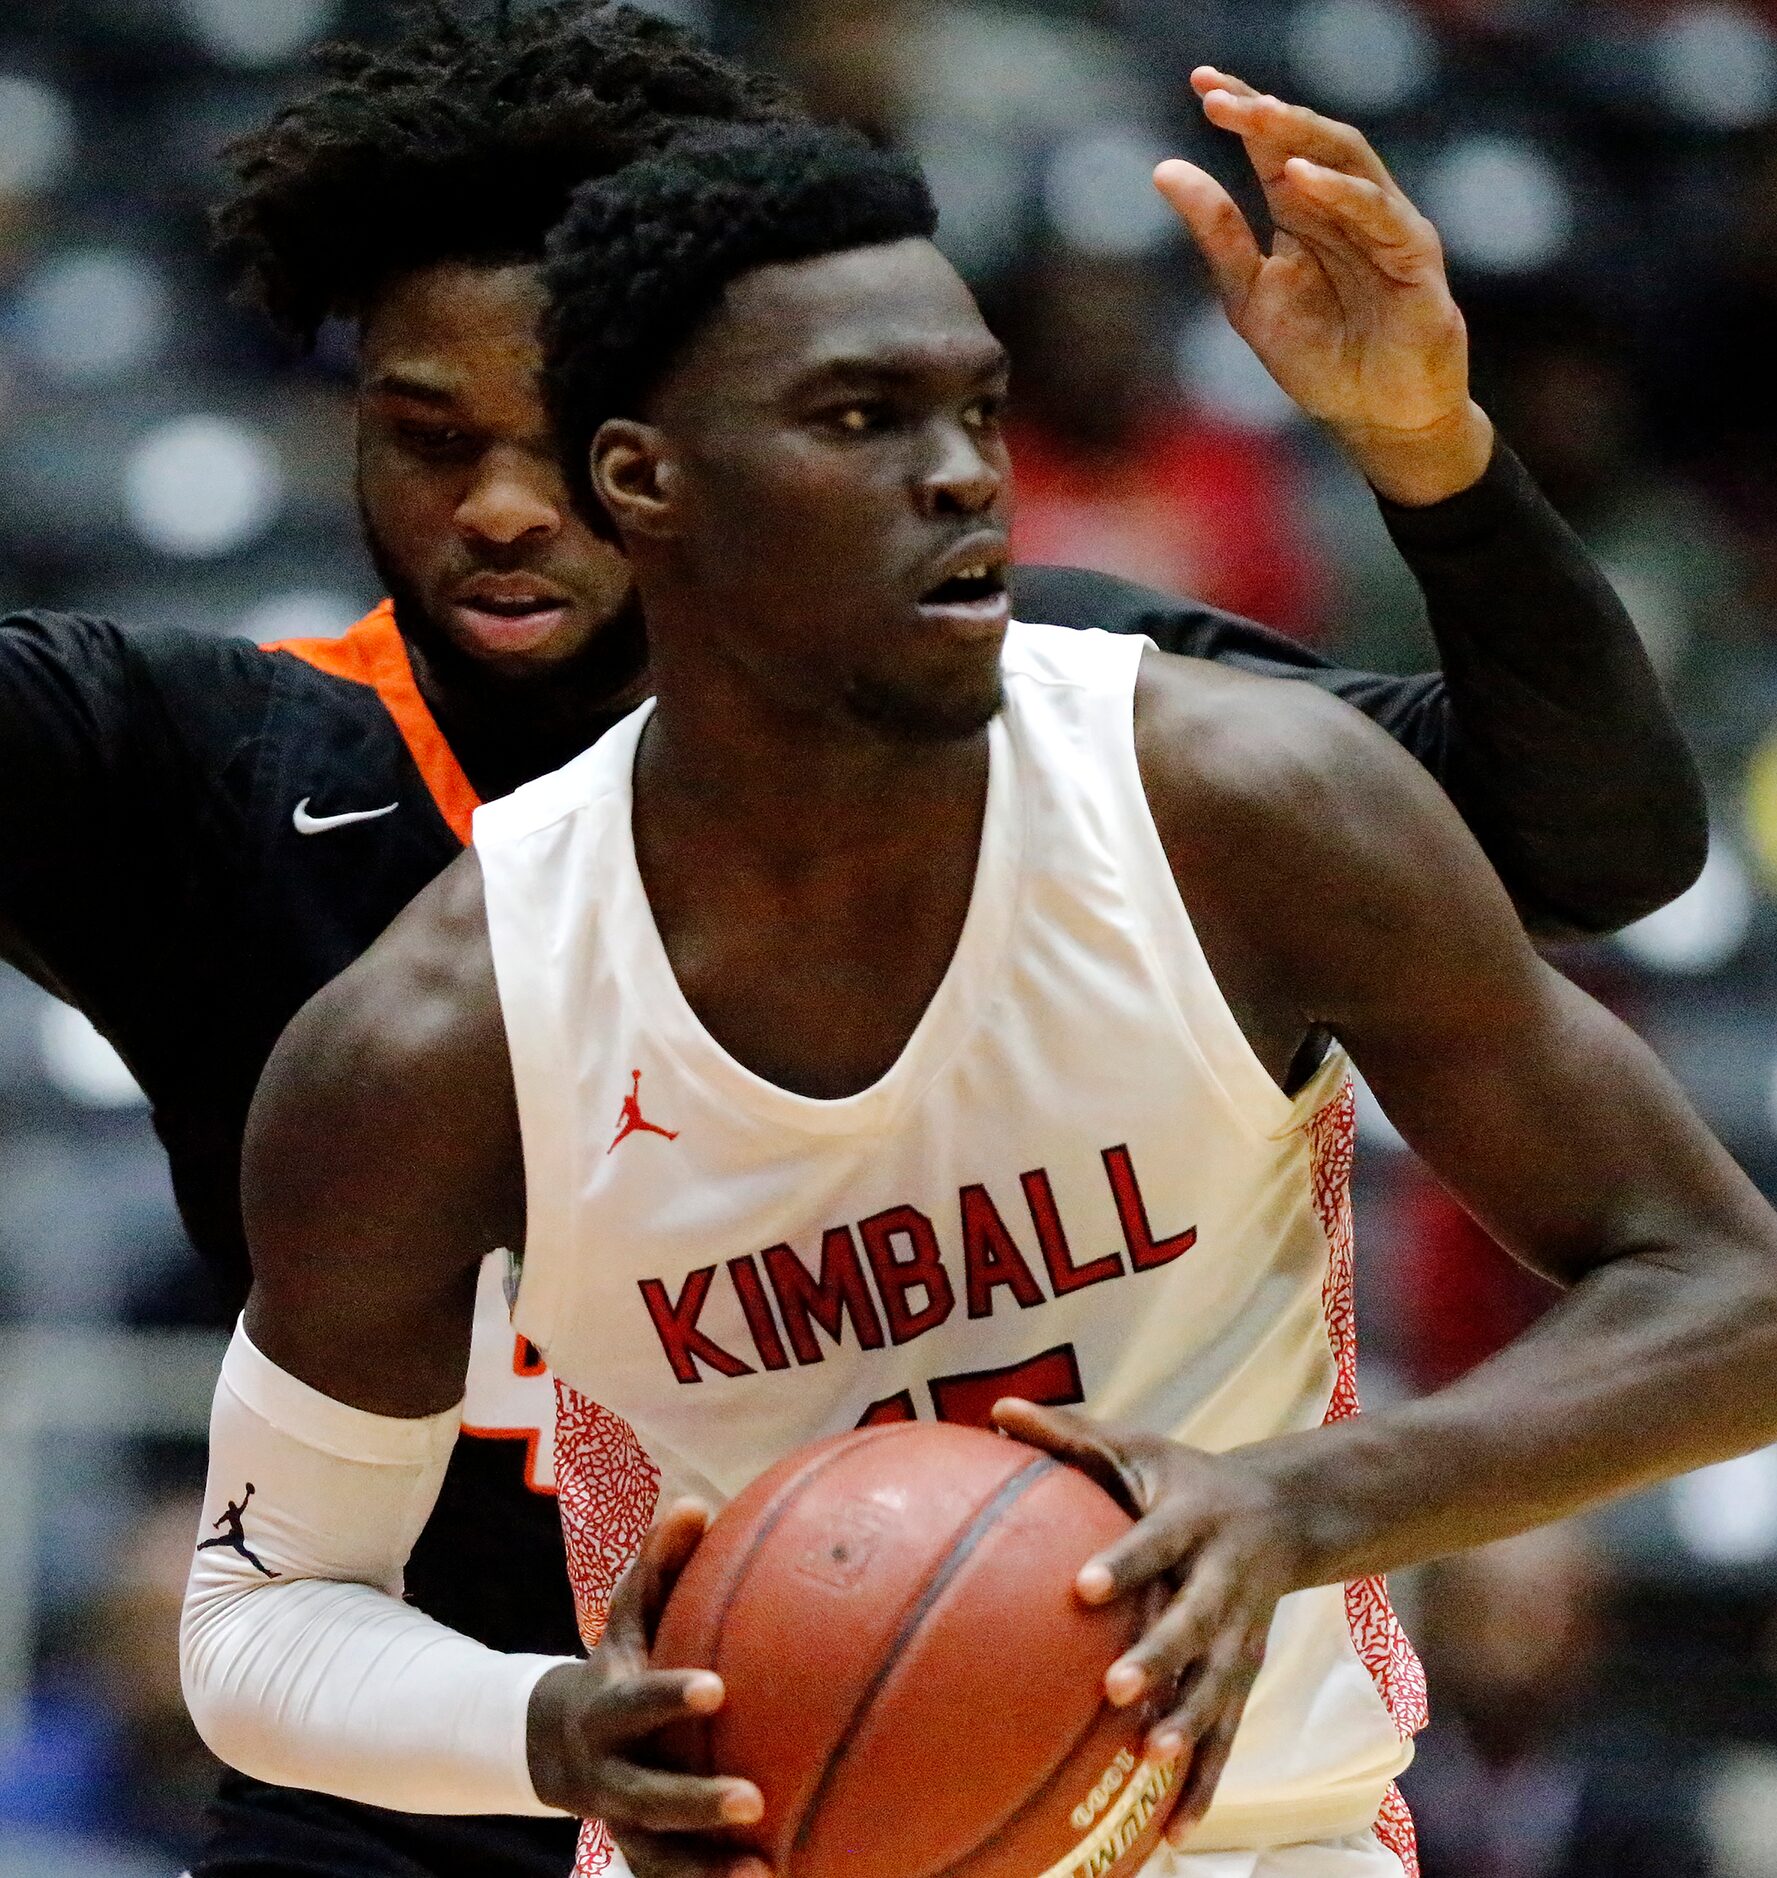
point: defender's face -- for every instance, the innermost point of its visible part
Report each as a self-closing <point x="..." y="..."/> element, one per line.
<point x="837" y="487"/>
<point x="459" y="479"/>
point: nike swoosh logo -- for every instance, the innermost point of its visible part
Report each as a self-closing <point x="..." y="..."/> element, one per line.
<point x="307" y="824"/>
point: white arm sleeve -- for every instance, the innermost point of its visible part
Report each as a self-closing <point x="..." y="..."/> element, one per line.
<point x="301" y="1664"/>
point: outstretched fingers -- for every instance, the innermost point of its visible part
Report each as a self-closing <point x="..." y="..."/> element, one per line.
<point x="1220" y="231"/>
<point x="1273" y="131"/>
<point x="1391" y="234"/>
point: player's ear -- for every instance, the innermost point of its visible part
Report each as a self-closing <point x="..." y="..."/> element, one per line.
<point x="632" y="473"/>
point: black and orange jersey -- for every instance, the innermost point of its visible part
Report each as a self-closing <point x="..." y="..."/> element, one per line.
<point x="199" y="833"/>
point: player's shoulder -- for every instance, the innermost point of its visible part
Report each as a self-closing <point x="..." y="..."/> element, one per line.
<point x="77" y="633"/>
<point x="382" y="1149"/>
<point x="193" y="673"/>
<point x="394" y="1070"/>
<point x="417" y="1003"/>
<point x="1082" y="597"/>
<point x="1249" y="764"/>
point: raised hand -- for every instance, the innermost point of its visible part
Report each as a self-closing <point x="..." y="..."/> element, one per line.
<point x="587" y="1719"/>
<point x="1351" y="311"/>
<point x="1216" y="1532"/>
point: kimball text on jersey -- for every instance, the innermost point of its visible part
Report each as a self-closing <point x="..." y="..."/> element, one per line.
<point x="900" y="1285"/>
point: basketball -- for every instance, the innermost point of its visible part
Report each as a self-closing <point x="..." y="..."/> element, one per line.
<point x="912" y="1682"/>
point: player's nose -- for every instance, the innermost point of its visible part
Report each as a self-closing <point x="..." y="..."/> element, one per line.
<point x="962" y="477"/>
<point x="511" y="499"/>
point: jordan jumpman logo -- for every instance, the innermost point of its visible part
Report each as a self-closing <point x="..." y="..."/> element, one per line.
<point x="630" y="1121"/>
<point x="235" y="1538"/>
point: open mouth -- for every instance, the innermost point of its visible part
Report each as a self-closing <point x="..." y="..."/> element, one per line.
<point x="510" y="622"/>
<point x="515" y="609"/>
<point x="969" y="586"/>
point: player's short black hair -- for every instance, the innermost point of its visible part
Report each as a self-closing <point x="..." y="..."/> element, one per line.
<point x="643" y="256"/>
<point x="460" y="140"/>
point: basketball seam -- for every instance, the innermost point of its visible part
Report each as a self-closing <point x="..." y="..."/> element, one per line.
<point x="768" y="1523"/>
<point x="1039" y="1792"/>
<point x="1006" y="1494"/>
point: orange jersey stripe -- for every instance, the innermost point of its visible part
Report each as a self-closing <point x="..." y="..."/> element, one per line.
<point x="373" y="653"/>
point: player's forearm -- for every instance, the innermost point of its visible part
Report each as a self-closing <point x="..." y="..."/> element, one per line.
<point x="300" y="1662"/>
<point x="1654" y="1364"/>
<point x="1562" y="751"/>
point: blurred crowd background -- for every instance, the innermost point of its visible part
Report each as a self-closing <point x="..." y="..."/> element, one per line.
<point x="1605" y="179"/>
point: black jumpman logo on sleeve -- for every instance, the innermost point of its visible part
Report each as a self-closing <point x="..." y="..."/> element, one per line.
<point x="235" y="1538"/>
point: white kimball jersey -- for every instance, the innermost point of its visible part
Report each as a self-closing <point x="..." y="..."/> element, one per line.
<point x="1077" y="1184"/>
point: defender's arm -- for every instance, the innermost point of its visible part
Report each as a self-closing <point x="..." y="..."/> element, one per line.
<point x="1351" y="312"/>
<point x="1547" y="726"/>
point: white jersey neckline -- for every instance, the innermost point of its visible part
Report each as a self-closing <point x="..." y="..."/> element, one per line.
<point x="968" y="987"/>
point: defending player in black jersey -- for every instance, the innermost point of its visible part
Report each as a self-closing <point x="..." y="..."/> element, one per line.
<point x="264" y="813"/>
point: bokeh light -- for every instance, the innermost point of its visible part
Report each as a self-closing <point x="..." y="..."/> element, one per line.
<point x="1500" y="204"/>
<point x="979" y="189"/>
<point x="302" y="613"/>
<point x="1221" y="374"/>
<point x="1100" y="196"/>
<point x="1728" y="1513"/>
<point x="1703" y="929"/>
<point x="1717" y="65"/>
<point x="81" y="1063"/>
<point x="93" y="314"/>
<point x="1358" y="56"/>
<point x="36" y="134"/>
<point x="257" y="32"/>
<point x="1759" y="803"/>
<point x="201" y="486"/>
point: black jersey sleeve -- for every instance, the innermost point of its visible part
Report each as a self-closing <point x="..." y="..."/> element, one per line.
<point x="1546" y="726"/>
<point x="74" y="787"/>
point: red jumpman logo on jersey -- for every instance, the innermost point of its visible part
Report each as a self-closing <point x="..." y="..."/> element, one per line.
<point x="630" y="1121"/>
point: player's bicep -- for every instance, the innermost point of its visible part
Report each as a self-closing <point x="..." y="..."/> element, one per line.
<point x="1562" y="1133"/>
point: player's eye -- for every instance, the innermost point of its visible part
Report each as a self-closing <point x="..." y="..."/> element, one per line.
<point x="859" y="419"/>
<point x="984" y="413"/>
<point x="433" y="440"/>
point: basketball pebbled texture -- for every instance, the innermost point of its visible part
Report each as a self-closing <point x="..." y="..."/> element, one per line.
<point x="912" y="1682"/>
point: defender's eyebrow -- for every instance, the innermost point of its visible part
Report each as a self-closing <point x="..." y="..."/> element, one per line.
<point x="406" y="384"/>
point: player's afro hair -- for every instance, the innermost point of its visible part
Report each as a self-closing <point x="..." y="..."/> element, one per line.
<point x="461" y="140"/>
<point x="644" y="255"/>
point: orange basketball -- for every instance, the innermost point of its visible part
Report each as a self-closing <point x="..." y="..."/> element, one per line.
<point x="912" y="1682"/>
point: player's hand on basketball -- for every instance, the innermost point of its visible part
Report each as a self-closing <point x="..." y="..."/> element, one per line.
<point x="1214" y="1531"/>
<point x="1350" y="311"/>
<point x="588" y="1723"/>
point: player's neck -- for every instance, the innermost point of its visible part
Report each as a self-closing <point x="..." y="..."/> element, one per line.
<point x="795" y="784"/>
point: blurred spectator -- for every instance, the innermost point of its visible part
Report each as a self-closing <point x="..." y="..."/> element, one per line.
<point x="109" y="1758"/>
<point x="1523" y="1774"/>
<point x="1117" y="472"/>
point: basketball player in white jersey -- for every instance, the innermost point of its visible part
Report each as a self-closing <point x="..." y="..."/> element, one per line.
<point x="910" y="1009"/>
